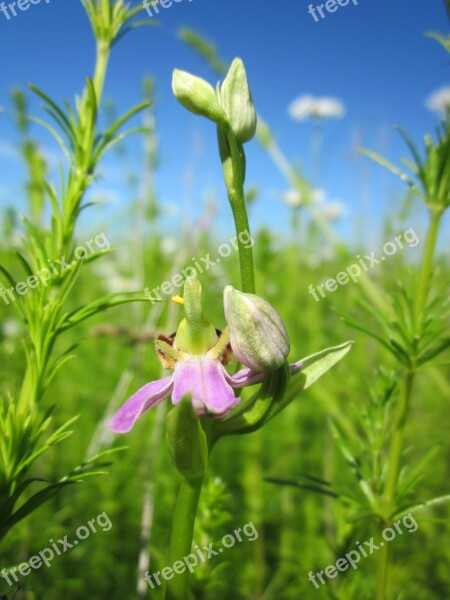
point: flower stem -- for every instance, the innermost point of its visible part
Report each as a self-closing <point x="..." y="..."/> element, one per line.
<point x="181" y="538"/>
<point x="233" y="162"/>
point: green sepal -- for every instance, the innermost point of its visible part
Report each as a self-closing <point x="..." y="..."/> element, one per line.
<point x="261" y="407"/>
<point x="275" y="394"/>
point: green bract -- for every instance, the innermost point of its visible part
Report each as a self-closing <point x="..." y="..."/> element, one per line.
<point x="187" y="441"/>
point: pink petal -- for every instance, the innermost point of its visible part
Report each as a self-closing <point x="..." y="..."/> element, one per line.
<point x="295" y="367"/>
<point x="247" y="376"/>
<point x="147" y="397"/>
<point x="204" y="378"/>
<point x="244" y="377"/>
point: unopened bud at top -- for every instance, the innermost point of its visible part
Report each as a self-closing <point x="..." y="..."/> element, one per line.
<point x="258" y="337"/>
<point x="236" y="100"/>
<point x="197" y="95"/>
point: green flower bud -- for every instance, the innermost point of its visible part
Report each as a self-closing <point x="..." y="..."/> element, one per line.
<point x="236" y="100"/>
<point x="197" y="95"/>
<point x="258" y="337"/>
<point x="188" y="446"/>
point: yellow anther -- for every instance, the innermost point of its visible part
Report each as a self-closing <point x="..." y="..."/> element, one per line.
<point x="178" y="300"/>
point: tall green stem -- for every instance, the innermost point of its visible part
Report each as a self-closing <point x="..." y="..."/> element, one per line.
<point x="382" y="570"/>
<point x="427" y="264"/>
<point x="403" y="405"/>
<point x="233" y="163"/>
<point x="400" y="417"/>
<point x="181" y="538"/>
<point x="103" y="52"/>
<point x="397" y="438"/>
<point x="35" y="373"/>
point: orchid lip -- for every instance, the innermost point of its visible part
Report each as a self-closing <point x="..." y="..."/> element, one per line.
<point x="202" y="378"/>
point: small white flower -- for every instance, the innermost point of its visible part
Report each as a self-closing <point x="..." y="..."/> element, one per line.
<point x="10" y="328"/>
<point x="296" y="198"/>
<point x="333" y="211"/>
<point x="292" y="197"/>
<point x="439" y="101"/>
<point x="309" y="107"/>
<point x="168" y="245"/>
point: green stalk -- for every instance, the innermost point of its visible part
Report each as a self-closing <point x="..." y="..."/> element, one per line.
<point x="234" y="182"/>
<point x="101" y="66"/>
<point x="254" y="491"/>
<point x="394" y="462"/>
<point x="233" y="162"/>
<point x="181" y="537"/>
<point x="403" y="405"/>
<point x="402" y="409"/>
<point x="397" y="439"/>
<point x="382" y="570"/>
<point x="427" y="264"/>
<point x="34" y="374"/>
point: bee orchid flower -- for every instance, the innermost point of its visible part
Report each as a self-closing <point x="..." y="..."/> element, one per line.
<point x="198" y="354"/>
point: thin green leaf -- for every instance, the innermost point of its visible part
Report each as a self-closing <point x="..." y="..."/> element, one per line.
<point x="387" y="165"/>
<point x="419" y="506"/>
<point x="56" y="135"/>
<point x="24" y="264"/>
<point x="53" y="104"/>
<point x="302" y="486"/>
<point x="317" y="364"/>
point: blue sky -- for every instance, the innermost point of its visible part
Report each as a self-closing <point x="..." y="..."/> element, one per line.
<point x="373" y="56"/>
